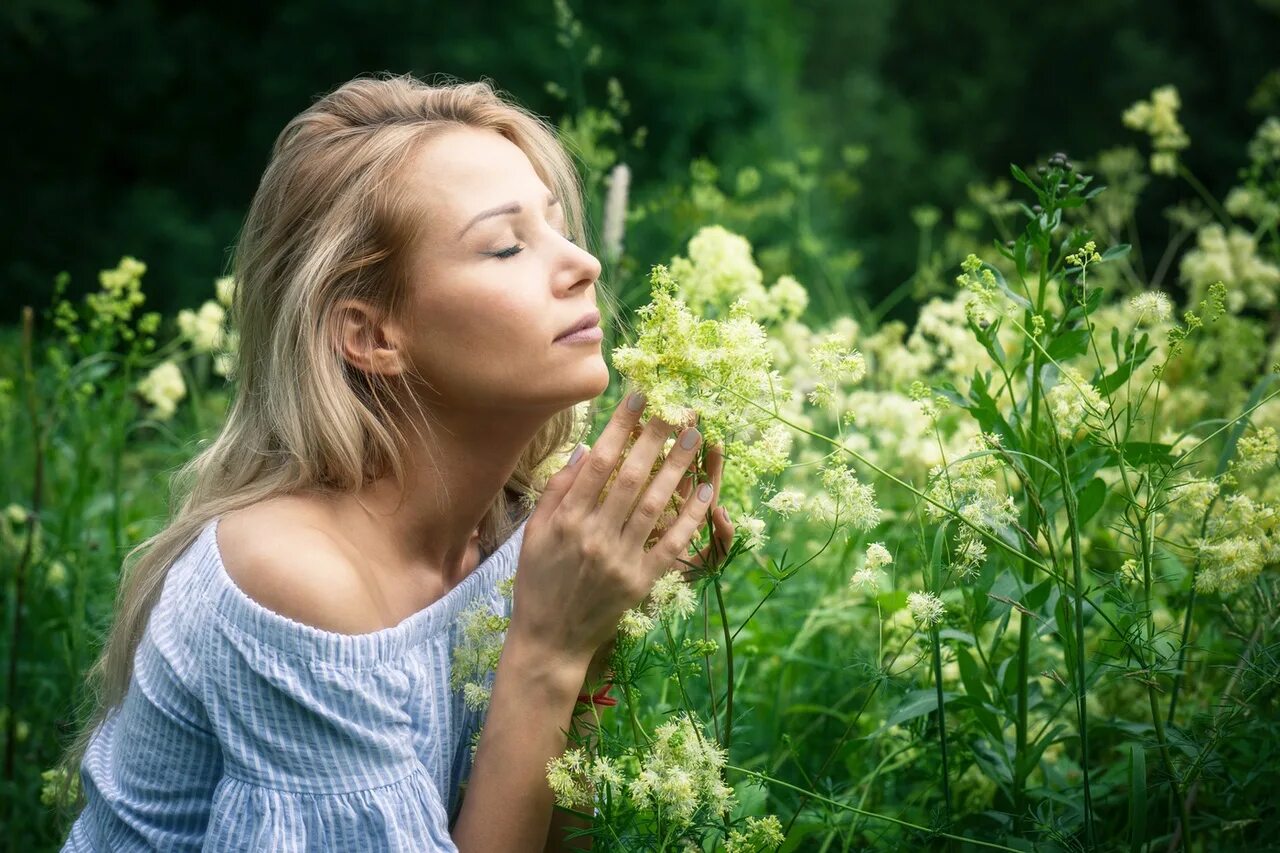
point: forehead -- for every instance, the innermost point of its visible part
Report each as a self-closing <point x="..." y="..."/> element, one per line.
<point x="466" y="170"/>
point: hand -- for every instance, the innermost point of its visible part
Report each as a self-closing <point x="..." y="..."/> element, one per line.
<point x="583" y="561"/>
<point x="723" y="528"/>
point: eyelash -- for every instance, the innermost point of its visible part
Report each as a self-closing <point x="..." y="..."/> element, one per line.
<point x="515" y="250"/>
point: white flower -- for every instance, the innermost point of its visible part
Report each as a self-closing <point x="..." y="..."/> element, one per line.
<point x="163" y="387"/>
<point x="1152" y="303"/>
<point x="865" y="580"/>
<point x="786" y="502"/>
<point x="671" y="596"/>
<point x="878" y="556"/>
<point x="225" y="287"/>
<point x="1071" y="401"/>
<point x="635" y="624"/>
<point x="203" y="328"/>
<point x="926" y="608"/>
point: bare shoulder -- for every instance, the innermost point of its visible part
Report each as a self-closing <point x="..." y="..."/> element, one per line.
<point x="279" y="554"/>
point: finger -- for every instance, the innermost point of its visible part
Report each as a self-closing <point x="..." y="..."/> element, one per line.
<point x="558" y="485"/>
<point x="674" y="544"/>
<point x="640" y="525"/>
<point x="598" y="464"/>
<point x="633" y="474"/>
<point x="714" y="551"/>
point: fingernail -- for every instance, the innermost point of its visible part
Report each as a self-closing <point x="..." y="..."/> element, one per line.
<point x="689" y="439"/>
<point x="577" y="454"/>
<point x="635" y="402"/>
<point x="724" y="513"/>
<point x="704" y="492"/>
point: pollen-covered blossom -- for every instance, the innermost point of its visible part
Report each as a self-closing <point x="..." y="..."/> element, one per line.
<point x="925" y="608"/>
<point x="789" y="297"/>
<point x="970" y="553"/>
<point x="1073" y="400"/>
<point x="759" y="835"/>
<point x="1088" y="254"/>
<point x="1152" y="304"/>
<point x="475" y="696"/>
<point x="855" y="501"/>
<point x="752" y="528"/>
<point x="682" y="774"/>
<point x="786" y="502"/>
<point x="672" y="597"/>
<point x="1258" y="451"/>
<point x="163" y="387"/>
<point x="567" y="776"/>
<point x="1159" y="118"/>
<point x="204" y="327"/>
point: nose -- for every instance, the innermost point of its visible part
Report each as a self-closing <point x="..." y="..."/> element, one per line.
<point x="581" y="268"/>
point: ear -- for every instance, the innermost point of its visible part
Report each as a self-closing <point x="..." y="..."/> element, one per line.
<point x="366" y="337"/>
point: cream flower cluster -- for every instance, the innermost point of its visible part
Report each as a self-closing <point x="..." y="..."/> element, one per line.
<point x="720" y="271"/>
<point x="1151" y="305"/>
<point x="972" y="488"/>
<point x="1242" y="537"/>
<point x="1258" y="451"/>
<point x="925" y="608"/>
<point x="203" y="328"/>
<point x="759" y="835"/>
<point x="1072" y="401"/>
<point x="867" y="578"/>
<point x="1230" y="257"/>
<point x="163" y="387"/>
<point x="1158" y="117"/>
<point x="670" y="598"/>
<point x="681" y="774"/>
<point x="847" y="501"/>
<point x="476" y="654"/>
<point x="121" y="292"/>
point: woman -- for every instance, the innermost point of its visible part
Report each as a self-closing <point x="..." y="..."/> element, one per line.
<point x="277" y="675"/>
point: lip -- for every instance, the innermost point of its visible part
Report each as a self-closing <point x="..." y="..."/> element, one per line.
<point x="588" y="320"/>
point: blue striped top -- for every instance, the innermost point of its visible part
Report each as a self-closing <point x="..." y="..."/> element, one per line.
<point x="243" y="729"/>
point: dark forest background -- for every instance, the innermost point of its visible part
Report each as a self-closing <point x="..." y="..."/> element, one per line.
<point x="141" y="127"/>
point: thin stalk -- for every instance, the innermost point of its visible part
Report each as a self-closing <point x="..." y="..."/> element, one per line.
<point x="728" y="655"/>
<point x="1077" y="568"/>
<point x="942" y="720"/>
<point x="1183" y="817"/>
<point x="848" y="808"/>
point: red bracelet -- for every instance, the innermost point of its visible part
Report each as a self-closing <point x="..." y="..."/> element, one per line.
<point x="600" y="697"/>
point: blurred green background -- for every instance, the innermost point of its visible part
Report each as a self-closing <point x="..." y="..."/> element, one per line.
<point x="142" y="128"/>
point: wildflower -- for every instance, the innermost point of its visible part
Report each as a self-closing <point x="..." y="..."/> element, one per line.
<point x="925" y="608"/>
<point x="1258" y="451"/>
<point x="224" y="361"/>
<point x="52" y="782"/>
<point x="865" y="580"/>
<point x="635" y="624"/>
<point x="1087" y="255"/>
<point x="1071" y="401"/>
<point x="225" y="288"/>
<point x="475" y="696"/>
<point x="1159" y="118"/>
<point x="970" y="488"/>
<point x="753" y="532"/>
<point x="681" y="773"/>
<point x="878" y="556"/>
<point x="786" y="502"/>
<point x="855" y="501"/>
<point x="1152" y="303"/>
<point x="566" y="776"/>
<point x="789" y="297"/>
<point x="1232" y="256"/>
<point x="718" y="272"/>
<point x="761" y="834"/>
<point x="16" y="513"/>
<point x="970" y="553"/>
<point x="121" y="293"/>
<point x="163" y="387"/>
<point x="671" y="596"/>
<point x="203" y="328"/>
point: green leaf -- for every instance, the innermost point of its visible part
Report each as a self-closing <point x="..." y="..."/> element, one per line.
<point x="1119" y="250"/>
<point x="1090" y="500"/>
<point x="1137" y="797"/>
<point x="1066" y="630"/>
<point x="916" y="703"/>
<point x="1038" y="595"/>
<point x="1069" y="345"/>
<point x="971" y="676"/>
<point x="1021" y="177"/>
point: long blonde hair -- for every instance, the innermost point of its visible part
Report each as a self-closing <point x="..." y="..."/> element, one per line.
<point x="329" y="221"/>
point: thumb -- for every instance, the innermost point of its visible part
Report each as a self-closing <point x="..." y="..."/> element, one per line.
<point x="559" y="484"/>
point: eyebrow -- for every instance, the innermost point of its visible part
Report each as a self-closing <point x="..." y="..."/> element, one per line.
<point x="510" y="207"/>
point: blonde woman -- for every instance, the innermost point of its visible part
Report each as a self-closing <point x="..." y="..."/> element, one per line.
<point x="418" y="320"/>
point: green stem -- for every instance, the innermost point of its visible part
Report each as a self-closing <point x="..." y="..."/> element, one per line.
<point x="1183" y="815"/>
<point x="728" y="654"/>
<point x="942" y="720"/>
<point x="848" y="808"/>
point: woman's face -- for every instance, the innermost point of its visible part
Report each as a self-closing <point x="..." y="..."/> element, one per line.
<point x="494" y="281"/>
